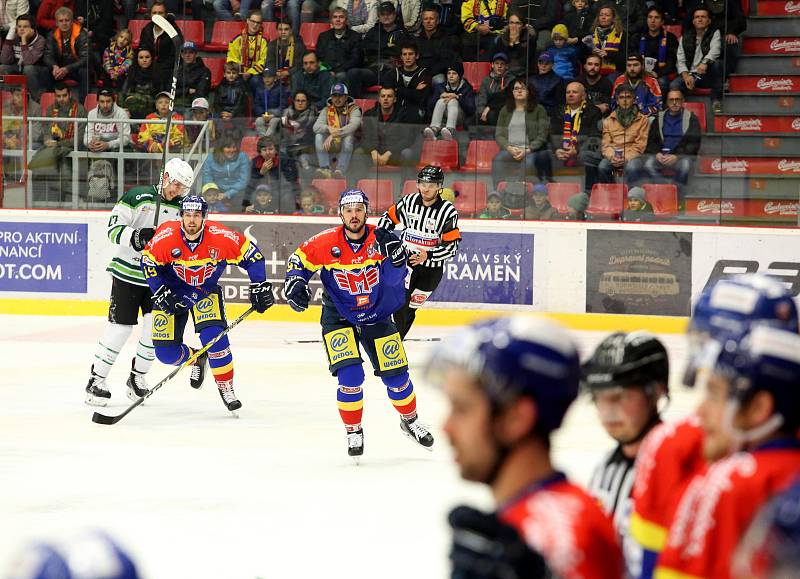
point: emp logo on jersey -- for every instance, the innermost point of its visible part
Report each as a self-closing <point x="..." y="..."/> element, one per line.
<point x="357" y="282"/>
<point x="194" y="276"/>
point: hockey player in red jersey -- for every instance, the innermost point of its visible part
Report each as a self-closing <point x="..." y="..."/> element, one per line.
<point x="673" y="453"/>
<point x="362" y="272"/>
<point x="752" y="398"/>
<point x="182" y="265"/>
<point x="510" y="382"/>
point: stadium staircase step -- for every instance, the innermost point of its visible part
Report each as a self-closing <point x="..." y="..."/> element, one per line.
<point x="776" y="26"/>
<point x="777" y="165"/>
<point x="758" y="123"/>
<point x="768" y="64"/>
<point x="759" y="103"/>
<point x="771" y="45"/>
<point x="755" y="211"/>
<point x="761" y="84"/>
<point x="778" y="8"/>
<point x="750" y="144"/>
<point x="743" y="186"/>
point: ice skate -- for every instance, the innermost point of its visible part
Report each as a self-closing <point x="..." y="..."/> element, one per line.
<point x="199" y="367"/>
<point x="355" y="444"/>
<point x="97" y="393"/>
<point x="137" y="387"/>
<point x="229" y="397"/>
<point x="417" y="432"/>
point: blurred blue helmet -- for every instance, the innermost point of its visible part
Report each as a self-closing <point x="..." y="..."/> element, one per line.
<point x="731" y="307"/>
<point x="97" y="556"/>
<point x="770" y="548"/>
<point x="38" y="561"/>
<point x="194" y="203"/>
<point x="352" y="197"/>
<point x="517" y="356"/>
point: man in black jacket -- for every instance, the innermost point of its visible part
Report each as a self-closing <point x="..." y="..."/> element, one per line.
<point x="436" y="48"/>
<point x="542" y="15"/>
<point x="413" y="82"/>
<point x="387" y="139"/>
<point x="194" y="77"/>
<point x="339" y="48"/>
<point x="673" y="142"/>
<point x="659" y="49"/>
<point x="160" y="46"/>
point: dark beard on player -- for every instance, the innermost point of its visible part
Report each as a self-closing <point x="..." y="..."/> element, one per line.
<point x="357" y="231"/>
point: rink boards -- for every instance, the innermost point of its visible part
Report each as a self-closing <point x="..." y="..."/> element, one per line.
<point x="589" y="275"/>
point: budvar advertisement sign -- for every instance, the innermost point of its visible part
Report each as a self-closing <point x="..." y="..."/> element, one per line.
<point x="43" y="257"/>
<point x="490" y="268"/>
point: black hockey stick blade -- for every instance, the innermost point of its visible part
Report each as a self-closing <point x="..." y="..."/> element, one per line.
<point x="98" y="418"/>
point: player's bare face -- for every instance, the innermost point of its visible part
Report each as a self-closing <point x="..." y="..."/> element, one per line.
<point x="354" y="218"/>
<point x="717" y="440"/>
<point x="623" y="412"/>
<point x="428" y="191"/>
<point x="192" y="222"/>
<point x="467" y="426"/>
<point x="173" y="189"/>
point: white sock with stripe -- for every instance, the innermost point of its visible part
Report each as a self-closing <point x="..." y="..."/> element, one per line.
<point x="108" y="348"/>
<point x="145" y="351"/>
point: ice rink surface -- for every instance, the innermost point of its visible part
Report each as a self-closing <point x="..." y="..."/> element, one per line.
<point x="192" y="492"/>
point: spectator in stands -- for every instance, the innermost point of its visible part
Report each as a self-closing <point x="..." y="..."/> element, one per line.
<point x="298" y="11"/>
<point x="309" y="205"/>
<point x="313" y="81"/>
<point x="565" y="55"/>
<point x="285" y="53"/>
<point x="453" y="103"/>
<point x="539" y="208"/>
<point x="699" y="51"/>
<point x="380" y="49"/>
<point x="624" y="138"/>
<point x="66" y="54"/>
<point x="215" y="199"/>
<point x="549" y="86"/>
<point x="521" y="134"/>
<point x="673" y="142"/>
<point x="409" y="14"/>
<point x="194" y="77"/>
<point x="576" y="134"/>
<point x="161" y="46"/>
<point x="98" y="19"/>
<point x="14" y="128"/>
<point x="118" y="58"/>
<point x="580" y="25"/>
<point x="231" y="9"/>
<point x="10" y="10"/>
<point x="200" y="112"/>
<point x="229" y="168"/>
<point x="648" y="93"/>
<point x="631" y="15"/>
<point x="637" y="208"/>
<point x="517" y="43"/>
<point x="494" y="208"/>
<point x="728" y="17"/>
<point x="46" y="13"/>
<point x="139" y="88"/>
<point x="339" y="49"/>
<point x="492" y="94"/>
<point x="249" y="50"/>
<point x="577" y="206"/>
<point x="608" y="42"/>
<point x="270" y="101"/>
<point x="659" y="49"/>
<point x="335" y="132"/>
<point x="152" y="135"/>
<point x="23" y="53"/>
<point x="297" y="129"/>
<point x="263" y="202"/>
<point x="598" y="87"/>
<point x="361" y="15"/>
<point x="231" y="98"/>
<point x="104" y="132"/>
<point x="483" y="21"/>
<point x="413" y="83"/>
<point x="277" y="171"/>
<point x="437" y="49"/>
<point x="387" y="139"/>
<point x="542" y="15"/>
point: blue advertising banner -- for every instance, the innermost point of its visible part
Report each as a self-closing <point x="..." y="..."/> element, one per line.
<point x="490" y="268"/>
<point x="43" y="257"/>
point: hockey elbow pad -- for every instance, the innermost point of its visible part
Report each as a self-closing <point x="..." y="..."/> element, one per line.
<point x="297" y="293"/>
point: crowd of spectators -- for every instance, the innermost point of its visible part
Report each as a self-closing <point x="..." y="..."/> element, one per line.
<point x="571" y="88"/>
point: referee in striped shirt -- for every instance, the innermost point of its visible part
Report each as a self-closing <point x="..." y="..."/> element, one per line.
<point x="627" y="375"/>
<point x="431" y="236"/>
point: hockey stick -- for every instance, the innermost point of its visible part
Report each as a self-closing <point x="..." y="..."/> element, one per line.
<point x="169" y="29"/>
<point x="103" y="419"/>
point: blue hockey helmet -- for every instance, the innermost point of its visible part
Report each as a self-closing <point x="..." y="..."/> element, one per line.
<point x="39" y="561"/>
<point x="194" y="203"/>
<point x="353" y="197"/>
<point x="516" y="356"/>
<point x="730" y="307"/>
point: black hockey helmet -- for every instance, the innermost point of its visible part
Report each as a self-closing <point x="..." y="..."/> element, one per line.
<point x="431" y="174"/>
<point x="633" y="359"/>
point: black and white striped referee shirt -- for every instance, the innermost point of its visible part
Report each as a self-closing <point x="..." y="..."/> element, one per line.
<point x="433" y="229"/>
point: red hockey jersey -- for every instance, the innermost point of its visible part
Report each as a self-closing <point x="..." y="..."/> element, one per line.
<point x="567" y="526"/>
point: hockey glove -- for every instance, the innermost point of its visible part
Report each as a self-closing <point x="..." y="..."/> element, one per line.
<point x="261" y="296"/>
<point x="140" y="238"/>
<point x="168" y="302"/>
<point x="390" y="246"/>
<point x="297" y="293"/>
<point x="484" y="547"/>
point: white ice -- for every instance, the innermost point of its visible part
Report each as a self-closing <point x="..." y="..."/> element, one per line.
<point x="192" y="492"/>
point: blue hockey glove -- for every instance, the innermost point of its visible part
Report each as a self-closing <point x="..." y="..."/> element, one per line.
<point x="166" y="301"/>
<point x="484" y="547"/>
<point x="389" y="245"/>
<point x="261" y="296"/>
<point x="140" y="238"/>
<point x="297" y="293"/>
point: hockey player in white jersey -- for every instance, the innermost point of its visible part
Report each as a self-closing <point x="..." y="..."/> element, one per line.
<point x="131" y="225"/>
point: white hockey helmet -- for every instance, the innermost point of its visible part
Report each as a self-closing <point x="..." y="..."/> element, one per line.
<point x="180" y="171"/>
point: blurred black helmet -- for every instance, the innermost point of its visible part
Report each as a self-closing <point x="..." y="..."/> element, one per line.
<point x="634" y="359"/>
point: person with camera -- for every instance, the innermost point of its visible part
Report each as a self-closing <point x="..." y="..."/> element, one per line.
<point x="484" y="21"/>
